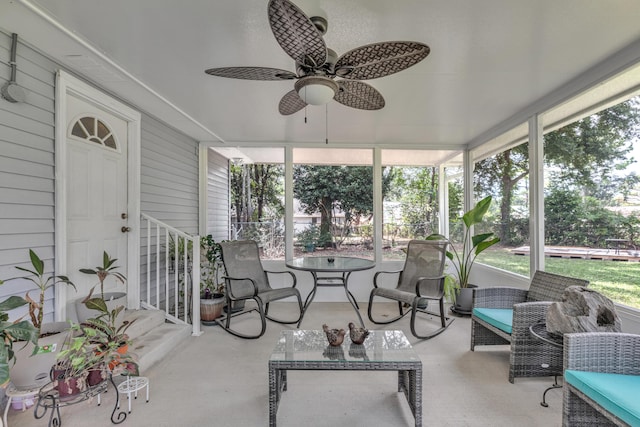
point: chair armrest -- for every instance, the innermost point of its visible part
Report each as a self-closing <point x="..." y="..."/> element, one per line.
<point x="375" y="276"/>
<point x="498" y="297"/>
<point x="229" y="288"/>
<point x="610" y="352"/>
<point x="528" y="313"/>
<point x="293" y="276"/>
<point x="430" y="286"/>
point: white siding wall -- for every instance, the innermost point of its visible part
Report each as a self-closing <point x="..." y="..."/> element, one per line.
<point x="169" y="181"/>
<point x="218" y="196"/>
<point x="26" y="170"/>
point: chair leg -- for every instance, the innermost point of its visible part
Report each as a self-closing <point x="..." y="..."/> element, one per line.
<point x="383" y="322"/>
<point x="445" y="321"/>
<point x="225" y="322"/>
<point x="285" y="322"/>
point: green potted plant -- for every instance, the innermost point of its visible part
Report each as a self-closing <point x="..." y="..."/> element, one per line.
<point x="10" y="332"/>
<point x="308" y="238"/>
<point x="464" y="257"/>
<point x="34" y="359"/>
<point x="112" y="299"/>
<point x="211" y="283"/>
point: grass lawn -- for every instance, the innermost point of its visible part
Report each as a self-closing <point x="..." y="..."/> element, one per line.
<point x="618" y="280"/>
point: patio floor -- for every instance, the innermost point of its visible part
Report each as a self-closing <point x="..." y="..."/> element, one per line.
<point x="220" y="380"/>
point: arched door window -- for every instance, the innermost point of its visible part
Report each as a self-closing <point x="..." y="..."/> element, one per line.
<point x="94" y="130"/>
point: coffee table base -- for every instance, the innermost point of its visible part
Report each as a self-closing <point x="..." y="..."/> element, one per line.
<point x="409" y="380"/>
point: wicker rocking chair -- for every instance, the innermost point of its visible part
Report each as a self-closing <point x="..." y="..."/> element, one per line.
<point x="246" y="280"/>
<point x="421" y="279"/>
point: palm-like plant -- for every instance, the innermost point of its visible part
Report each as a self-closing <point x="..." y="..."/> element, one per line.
<point x="43" y="283"/>
<point x="105" y="270"/>
<point x="472" y="246"/>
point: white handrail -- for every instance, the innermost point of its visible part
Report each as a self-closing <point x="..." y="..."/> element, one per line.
<point x="174" y="283"/>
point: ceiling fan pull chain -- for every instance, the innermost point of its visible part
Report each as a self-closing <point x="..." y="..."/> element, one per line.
<point x="326" y="124"/>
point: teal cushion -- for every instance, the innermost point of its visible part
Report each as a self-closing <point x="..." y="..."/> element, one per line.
<point x="617" y="393"/>
<point x="501" y="318"/>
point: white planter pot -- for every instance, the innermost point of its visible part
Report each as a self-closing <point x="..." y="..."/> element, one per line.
<point x="31" y="372"/>
<point x="113" y="300"/>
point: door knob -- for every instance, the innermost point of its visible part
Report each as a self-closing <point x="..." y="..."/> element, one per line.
<point x="125" y="229"/>
<point x="123" y="215"/>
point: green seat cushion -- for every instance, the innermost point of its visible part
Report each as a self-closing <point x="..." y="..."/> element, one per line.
<point x="501" y="318"/>
<point x="617" y="393"/>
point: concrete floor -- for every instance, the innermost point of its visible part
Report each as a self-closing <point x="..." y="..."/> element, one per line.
<point x="220" y="380"/>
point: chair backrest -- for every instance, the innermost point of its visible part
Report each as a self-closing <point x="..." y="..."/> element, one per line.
<point x="425" y="258"/>
<point x="550" y="287"/>
<point x="241" y="259"/>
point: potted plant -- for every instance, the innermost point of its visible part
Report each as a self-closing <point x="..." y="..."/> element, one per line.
<point x="78" y="356"/>
<point x="34" y="359"/>
<point x="464" y="257"/>
<point x="308" y="238"/>
<point x="10" y="332"/>
<point x="211" y="284"/>
<point x="103" y="272"/>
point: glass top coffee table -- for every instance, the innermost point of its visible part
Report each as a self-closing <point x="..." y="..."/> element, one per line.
<point x="382" y="351"/>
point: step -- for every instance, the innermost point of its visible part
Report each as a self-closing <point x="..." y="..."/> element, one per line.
<point x="143" y="321"/>
<point x="153" y="345"/>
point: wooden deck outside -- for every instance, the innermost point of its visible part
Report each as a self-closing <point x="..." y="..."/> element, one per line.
<point x="584" y="253"/>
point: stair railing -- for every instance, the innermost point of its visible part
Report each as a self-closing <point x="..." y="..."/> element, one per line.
<point x="172" y="277"/>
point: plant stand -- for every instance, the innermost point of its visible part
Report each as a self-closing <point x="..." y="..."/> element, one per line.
<point x="132" y="385"/>
<point x="48" y="398"/>
<point x="13" y="393"/>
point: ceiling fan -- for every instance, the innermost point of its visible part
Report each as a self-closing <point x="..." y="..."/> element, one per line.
<point x="320" y="74"/>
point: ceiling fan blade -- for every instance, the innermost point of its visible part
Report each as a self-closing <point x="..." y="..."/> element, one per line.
<point x="380" y="59"/>
<point x="296" y="34"/>
<point x="291" y="103"/>
<point x="359" y="95"/>
<point x="252" y="73"/>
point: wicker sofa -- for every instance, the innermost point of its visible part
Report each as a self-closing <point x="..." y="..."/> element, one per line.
<point x="503" y="315"/>
<point x="602" y="379"/>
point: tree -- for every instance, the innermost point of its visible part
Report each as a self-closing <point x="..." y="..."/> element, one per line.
<point x="590" y="153"/>
<point x="329" y="189"/>
<point x="417" y="191"/>
<point x="256" y="191"/>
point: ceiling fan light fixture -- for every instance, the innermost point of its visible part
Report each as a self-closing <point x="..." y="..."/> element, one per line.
<point x="316" y="90"/>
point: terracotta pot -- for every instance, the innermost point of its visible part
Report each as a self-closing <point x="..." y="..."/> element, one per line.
<point x="211" y="309"/>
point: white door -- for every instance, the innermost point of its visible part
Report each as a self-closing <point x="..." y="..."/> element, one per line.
<point x="96" y="193"/>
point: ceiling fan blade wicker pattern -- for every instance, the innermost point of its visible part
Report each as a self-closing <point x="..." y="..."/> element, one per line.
<point x="296" y="34"/>
<point x="252" y="73"/>
<point x="359" y="95"/>
<point x="291" y="103"/>
<point x="301" y="37"/>
<point x="380" y="59"/>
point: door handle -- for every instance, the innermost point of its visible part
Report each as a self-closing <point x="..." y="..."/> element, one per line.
<point x="125" y="229"/>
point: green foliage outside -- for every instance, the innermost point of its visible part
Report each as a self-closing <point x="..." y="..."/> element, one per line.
<point x="615" y="279"/>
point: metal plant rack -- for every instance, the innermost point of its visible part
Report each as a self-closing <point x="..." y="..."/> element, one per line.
<point x="49" y="399"/>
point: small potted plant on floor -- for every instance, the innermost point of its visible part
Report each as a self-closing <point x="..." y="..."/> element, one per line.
<point x="112" y="299"/>
<point x="34" y="359"/>
<point x="464" y="257"/>
<point x="211" y="283"/>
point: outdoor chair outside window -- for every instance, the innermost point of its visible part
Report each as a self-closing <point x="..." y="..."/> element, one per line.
<point x="503" y="315"/>
<point x="246" y="280"/>
<point x="421" y="279"/>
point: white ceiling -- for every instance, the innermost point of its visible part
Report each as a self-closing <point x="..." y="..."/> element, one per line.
<point x="489" y="60"/>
